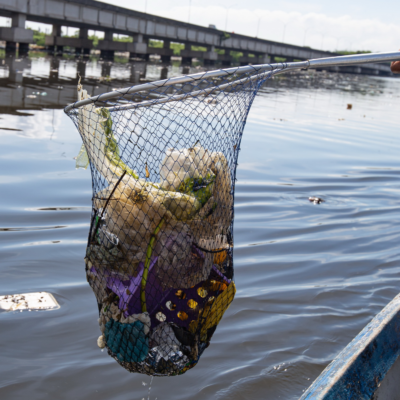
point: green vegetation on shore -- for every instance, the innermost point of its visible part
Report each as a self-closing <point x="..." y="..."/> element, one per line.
<point x="176" y="47"/>
<point x="349" y="53"/>
<point x="39" y="40"/>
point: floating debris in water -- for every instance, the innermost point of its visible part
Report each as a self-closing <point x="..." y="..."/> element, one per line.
<point x="28" y="301"/>
<point x="349" y="106"/>
<point x="316" y="200"/>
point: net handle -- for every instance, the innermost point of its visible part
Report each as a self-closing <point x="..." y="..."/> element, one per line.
<point x="315" y="63"/>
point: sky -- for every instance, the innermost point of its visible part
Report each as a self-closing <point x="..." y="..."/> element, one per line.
<point x="321" y="24"/>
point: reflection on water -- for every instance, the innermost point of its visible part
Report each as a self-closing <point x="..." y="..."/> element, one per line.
<point x="41" y="82"/>
<point x="50" y="82"/>
<point x="309" y="276"/>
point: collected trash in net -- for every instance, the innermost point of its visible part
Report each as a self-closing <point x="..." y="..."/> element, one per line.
<point x="159" y="254"/>
<point x="163" y="159"/>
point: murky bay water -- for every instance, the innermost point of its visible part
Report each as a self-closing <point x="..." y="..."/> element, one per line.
<point x="309" y="276"/>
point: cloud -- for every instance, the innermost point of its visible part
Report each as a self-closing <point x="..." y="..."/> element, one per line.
<point x="293" y="23"/>
<point x="312" y="29"/>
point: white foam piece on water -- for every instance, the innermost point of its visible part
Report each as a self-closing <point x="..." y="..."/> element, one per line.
<point x="28" y="301"/>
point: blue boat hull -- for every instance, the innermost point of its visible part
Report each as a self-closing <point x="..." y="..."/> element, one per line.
<point x="369" y="367"/>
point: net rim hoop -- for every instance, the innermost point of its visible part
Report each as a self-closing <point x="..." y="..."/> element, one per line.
<point x="314" y="63"/>
<point x="183" y="79"/>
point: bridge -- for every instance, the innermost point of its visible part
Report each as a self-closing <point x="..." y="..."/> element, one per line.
<point x="88" y="15"/>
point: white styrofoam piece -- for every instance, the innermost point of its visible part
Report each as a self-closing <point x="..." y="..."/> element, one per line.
<point x="28" y="301"/>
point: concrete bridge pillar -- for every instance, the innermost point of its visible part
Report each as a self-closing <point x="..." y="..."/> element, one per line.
<point x="80" y="69"/>
<point x="51" y="41"/>
<point x="210" y="56"/>
<point x="138" y="38"/>
<point x="186" y="57"/>
<point x="226" y="58"/>
<point x="264" y="59"/>
<point x="16" y="68"/>
<point x="245" y="59"/>
<point x="18" y="21"/>
<point x="166" y="57"/>
<point x="107" y="54"/>
<point x="17" y="34"/>
<point x="164" y="73"/>
<point x="138" y="71"/>
<point x="54" y="70"/>
<point x="55" y="42"/>
<point x="56" y="32"/>
<point x="109" y="35"/>
<point x="138" y="49"/>
<point x="106" y="46"/>
<point x="135" y="76"/>
<point x="106" y="69"/>
<point x="83" y="35"/>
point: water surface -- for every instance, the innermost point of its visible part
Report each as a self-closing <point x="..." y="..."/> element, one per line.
<point x="309" y="276"/>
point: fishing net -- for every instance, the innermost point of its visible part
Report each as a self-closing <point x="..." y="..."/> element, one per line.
<point x="163" y="159"/>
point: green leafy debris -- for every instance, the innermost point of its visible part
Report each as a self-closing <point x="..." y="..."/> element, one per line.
<point x="111" y="147"/>
<point x="201" y="188"/>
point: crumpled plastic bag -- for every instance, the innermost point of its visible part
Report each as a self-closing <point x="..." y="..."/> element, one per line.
<point x="215" y="217"/>
<point x="82" y="159"/>
<point x="165" y="354"/>
<point x="180" y="263"/>
<point x="177" y="166"/>
<point x="201" y="159"/>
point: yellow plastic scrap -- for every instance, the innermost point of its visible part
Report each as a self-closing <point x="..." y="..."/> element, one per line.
<point x="214" y="311"/>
